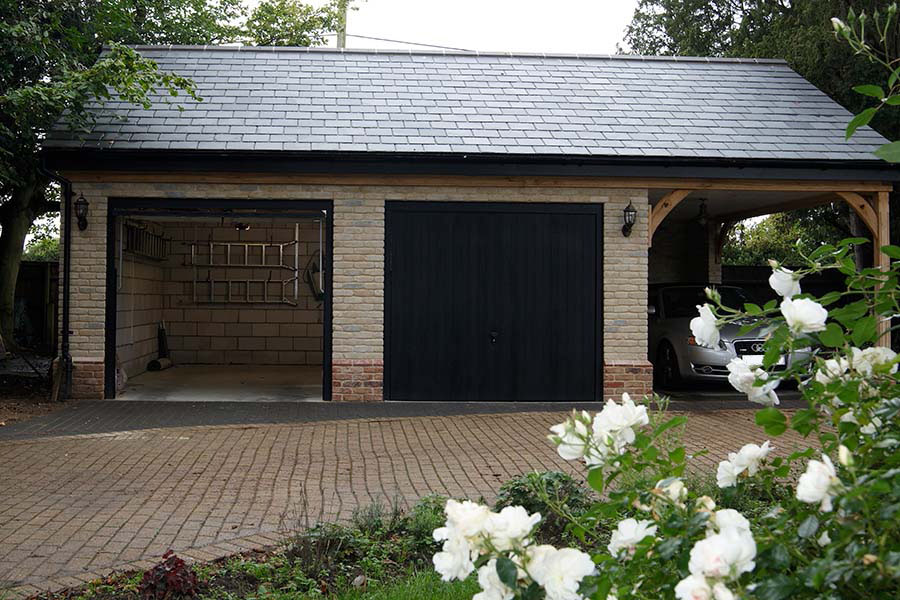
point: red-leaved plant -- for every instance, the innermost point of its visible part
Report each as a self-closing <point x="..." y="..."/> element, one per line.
<point x="172" y="578"/>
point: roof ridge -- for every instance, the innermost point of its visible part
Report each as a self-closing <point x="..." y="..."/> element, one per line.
<point x="320" y="50"/>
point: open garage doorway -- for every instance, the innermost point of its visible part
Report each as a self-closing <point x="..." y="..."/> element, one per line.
<point x="218" y="300"/>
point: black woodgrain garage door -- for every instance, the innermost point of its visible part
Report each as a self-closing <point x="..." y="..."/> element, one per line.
<point x="493" y="301"/>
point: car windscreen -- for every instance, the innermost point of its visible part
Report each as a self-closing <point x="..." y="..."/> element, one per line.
<point x="679" y="302"/>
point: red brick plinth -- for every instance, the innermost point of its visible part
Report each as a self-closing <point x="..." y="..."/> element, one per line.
<point x="87" y="380"/>
<point x="636" y="378"/>
<point x="357" y="380"/>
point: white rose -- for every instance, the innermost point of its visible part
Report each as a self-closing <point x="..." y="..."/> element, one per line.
<point x="673" y="489"/>
<point x="491" y="586"/>
<point x="454" y="561"/>
<point x="729" y="518"/>
<point x="628" y="534"/>
<point x="706" y="504"/>
<point x="510" y="527"/>
<point x="818" y="483"/>
<point x="572" y="437"/>
<point x="872" y="427"/>
<point x="466" y="518"/>
<point x="614" y="425"/>
<point x="784" y="282"/>
<point x="560" y="572"/>
<point x="765" y="394"/>
<point x="804" y="315"/>
<point x="727" y="474"/>
<point x="832" y="370"/>
<point x="866" y="360"/>
<point x="742" y="377"/>
<point x="725" y="554"/>
<point x="693" y="587"/>
<point x="704" y="329"/>
<point x="750" y="456"/>
<point x="721" y="592"/>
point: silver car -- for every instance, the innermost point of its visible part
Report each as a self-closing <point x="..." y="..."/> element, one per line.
<point x="675" y="355"/>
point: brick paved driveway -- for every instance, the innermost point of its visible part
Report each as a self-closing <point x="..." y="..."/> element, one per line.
<point x="75" y="507"/>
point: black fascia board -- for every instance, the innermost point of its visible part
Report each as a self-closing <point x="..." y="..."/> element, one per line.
<point x="509" y="165"/>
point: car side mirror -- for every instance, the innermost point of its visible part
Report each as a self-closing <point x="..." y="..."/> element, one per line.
<point x="651" y="310"/>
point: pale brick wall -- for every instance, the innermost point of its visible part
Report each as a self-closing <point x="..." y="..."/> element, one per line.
<point x="358" y="256"/>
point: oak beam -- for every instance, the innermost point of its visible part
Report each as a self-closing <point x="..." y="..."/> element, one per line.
<point x="797" y="204"/>
<point x="662" y="208"/>
<point x="882" y="237"/>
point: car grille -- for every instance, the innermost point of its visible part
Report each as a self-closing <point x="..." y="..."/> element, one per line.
<point x="742" y="347"/>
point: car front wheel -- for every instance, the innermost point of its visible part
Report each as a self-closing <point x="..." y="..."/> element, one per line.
<point x="666" y="369"/>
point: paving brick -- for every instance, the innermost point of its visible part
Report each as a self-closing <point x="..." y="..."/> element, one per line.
<point x="210" y="491"/>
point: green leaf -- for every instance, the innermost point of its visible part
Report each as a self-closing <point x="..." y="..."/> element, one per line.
<point x="869" y="90"/>
<point x="864" y="330"/>
<point x="507" y="572"/>
<point x="595" y="479"/>
<point x="752" y="309"/>
<point x="803" y="421"/>
<point x="775" y="587"/>
<point x="673" y="422"/>
<point x="833" y="336"/>
<point x="889" y="152"/>
<point x="892" y="101"/>
<point x="772" y="420"/>
<point x="808" y="527"/>
<point x="677" y="455"/>
<point x="860" y="120"/>
<point x="847" y="315"/>
<point x="651" y="453"/>
<point x="780" y="557"/>
<point x="892" y="251"/>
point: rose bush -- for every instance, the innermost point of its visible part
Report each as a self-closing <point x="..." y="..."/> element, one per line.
<point x="831" y="524"/>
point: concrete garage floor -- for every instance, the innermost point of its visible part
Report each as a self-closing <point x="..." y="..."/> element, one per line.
<point x="227" y="383"/>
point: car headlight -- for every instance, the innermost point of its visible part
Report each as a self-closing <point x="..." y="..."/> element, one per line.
<point x="692" y="341"/>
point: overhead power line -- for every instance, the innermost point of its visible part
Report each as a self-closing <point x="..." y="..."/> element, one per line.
<point x="381" y="39"/>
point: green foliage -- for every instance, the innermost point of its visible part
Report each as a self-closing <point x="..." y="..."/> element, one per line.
<point x="546" y="492"/>
<point x="785" y="237"/>
<point x="290" y="23"/>
<point x="43" y="250"/>
<point x="874" y="36"/>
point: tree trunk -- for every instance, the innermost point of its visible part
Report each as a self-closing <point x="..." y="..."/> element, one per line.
<point x="16" y="217"/>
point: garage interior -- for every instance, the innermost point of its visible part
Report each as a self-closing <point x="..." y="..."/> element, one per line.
<point x="240" y="296"/>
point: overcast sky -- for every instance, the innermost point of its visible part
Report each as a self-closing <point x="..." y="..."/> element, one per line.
<point x="553" y="26"/>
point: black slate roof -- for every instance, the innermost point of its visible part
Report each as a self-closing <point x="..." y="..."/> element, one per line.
<point x="299" y="99"/>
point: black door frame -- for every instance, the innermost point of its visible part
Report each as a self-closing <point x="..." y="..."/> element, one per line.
<point x="394" y="206"/>
<point x="205" y="207"/>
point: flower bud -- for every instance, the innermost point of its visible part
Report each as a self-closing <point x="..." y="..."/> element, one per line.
<point x="705" y="504"/>
<point x="844" y="456"/>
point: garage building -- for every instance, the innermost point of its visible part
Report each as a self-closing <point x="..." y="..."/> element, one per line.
<point x="365" y="226"/>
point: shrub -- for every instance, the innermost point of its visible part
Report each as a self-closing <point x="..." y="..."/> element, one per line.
<point x="170" y="579"/>
<point x="376" y="519"/>
<point x="548" y="493"/>
<point x="762" y="532"/>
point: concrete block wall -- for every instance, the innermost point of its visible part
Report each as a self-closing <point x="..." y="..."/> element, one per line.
<point x="358" y="261"/>
<point x="139" y="305"/>
<point x="238" y="333"/>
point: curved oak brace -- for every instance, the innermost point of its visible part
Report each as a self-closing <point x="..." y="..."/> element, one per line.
<point x="865" y="211"/>
<point x="662" y="208"/>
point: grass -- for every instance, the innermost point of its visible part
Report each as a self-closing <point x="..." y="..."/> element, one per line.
<point x="417" y="586"/>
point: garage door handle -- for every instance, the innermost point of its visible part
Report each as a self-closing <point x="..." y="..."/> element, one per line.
<point x="494" y="335"/>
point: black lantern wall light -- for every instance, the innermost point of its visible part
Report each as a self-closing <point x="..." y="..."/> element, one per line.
<point x="81" y="212"/>
<point x="630" y="215"/>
